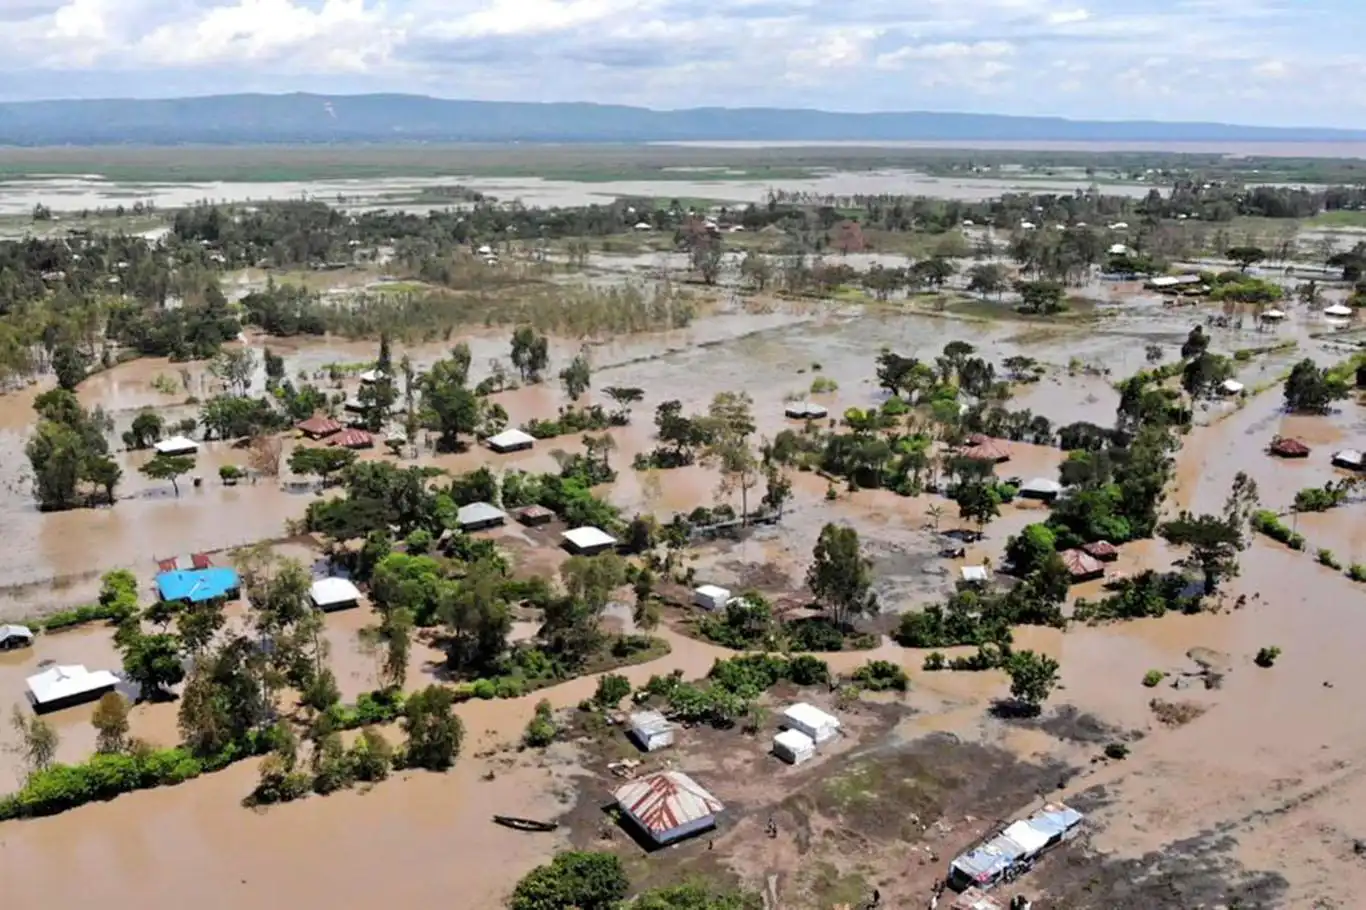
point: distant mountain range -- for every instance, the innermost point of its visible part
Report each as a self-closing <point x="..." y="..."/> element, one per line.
<point x="303" y="118"/>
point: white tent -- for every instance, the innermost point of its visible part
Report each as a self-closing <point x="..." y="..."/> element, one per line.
<point x="588" y="540"/>
<point x="67" y="685"/>
<point x="1274" y="314"/>
<point x="793" y="746"/>
<point x="513" y="440"/>
<point x="334" y="593"/>
<point x="812" y="721"/>
<point x="1338" y="309"/>
<point x="651" y="730"/>
<point x="711" y="597"/>
<point x="176" y="445"/>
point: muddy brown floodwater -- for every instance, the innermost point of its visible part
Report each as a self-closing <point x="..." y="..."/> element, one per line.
<point x="1268" y="773"/>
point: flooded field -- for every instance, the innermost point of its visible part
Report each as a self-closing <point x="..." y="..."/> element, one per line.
<point x="1261" y="790"/>
<point x="70" y="194"/>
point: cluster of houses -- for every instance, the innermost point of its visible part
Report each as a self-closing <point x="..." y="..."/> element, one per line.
<point x="1012" y="850"/>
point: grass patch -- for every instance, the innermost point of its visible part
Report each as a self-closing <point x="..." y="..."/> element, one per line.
<point x="833" y="889"/>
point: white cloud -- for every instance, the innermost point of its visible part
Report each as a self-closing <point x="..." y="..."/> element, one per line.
<point x="669" y="53"/>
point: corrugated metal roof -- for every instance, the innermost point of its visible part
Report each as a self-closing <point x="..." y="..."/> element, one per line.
<point x="985" y="863"/>
<point x="319" y="425"/>
<point x="352" y="439"/>
<point x="1080" y="563"/>
<point x="667" y="800"/>
<point x="1055" y="818"/>
<point x="478" y="513"/>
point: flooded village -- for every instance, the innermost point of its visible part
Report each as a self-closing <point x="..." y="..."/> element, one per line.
<point x="924" y="528"/>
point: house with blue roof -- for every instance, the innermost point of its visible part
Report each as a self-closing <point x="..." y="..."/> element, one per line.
<point x="199" y="585"/>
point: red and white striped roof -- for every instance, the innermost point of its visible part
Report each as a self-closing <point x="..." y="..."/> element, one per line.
<point x="667" y="800"/>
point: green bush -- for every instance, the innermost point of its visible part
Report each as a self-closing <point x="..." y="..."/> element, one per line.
<point x="105" y="776"/>
<point x="541" y="730"/>
<point x="382" y="706"/>
<point x="805" y="670"/>
<point x="485" y="689"/>
<point x="1266" y="657"/>
<point x="612" y="688"/>
<point x="934" y="661"/>
<point x="1356" y="572"/>
<point x="1116" y="751"/>
<point x="582" y="880"/>
<point x="881" y="675"/>
<point x="1266" y="522"/>
<point x="1326" y="558"/>
<point x="1153" y="678"/>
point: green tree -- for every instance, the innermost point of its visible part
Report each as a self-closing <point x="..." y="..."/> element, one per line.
<point x="1214" y="544"/>
<point x="1312" y="390"/>
<point x="530" y="353"/>
<point x="1246" y="256"/>
<point x="978" y="502"/>
<point x="577" y="377"/>
<point x="147" y="429"/>
<point x="70" y="366"/>
<point x="397" y="631"/>
<point x="154" y="662"/>
<point x="988" y="278"/>
<point x="448" y="406"/>
<point x="1040" y="297"/>
<point x="730" y="427"/>
<point x="324" y="462"/>
<point x="1205" y="374"/>
<point x="234" y="367"/>
<point x="37" y="741"/>
<point x="477" y="617"/>
<point x="110" y="721"/>
<point x="434" y="732"/>
<point x="275" y="367"/>
<point x="1032" y="678"/>
<point x="168" y="467"/>
<point x="840" y="576"/>
<point x="573" y="881"/>
<point x="1029" y="549"/>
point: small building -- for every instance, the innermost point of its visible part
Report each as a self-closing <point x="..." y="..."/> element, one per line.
<point x="812" y="721"/>
<point x="13" y="637"/>
<point x="532" y="516"/>
<point x="1273" y="315"/>
<point x="176" y="445"/>
<point x="984" y="448"/>
<point x="1350" y="459"/>
<point x="793" y="746"/>
<point x="1231" y="387"/>
<point x="588" y="541"/>
<point x="711" y="597"/>
<point x="651" y="730"/>
<point x="1287" y="447"/>
<point x="1102" y="550"/>
<point x="66" y="685"/>
<point x="668" y="806"/>
<point x="1041" y="488"/>
<point x="352" y="439"/>
<point x="319" y="426"/>
<point x="512" y="440"/>
<point x="199" y="585"/>
<point x="330" y="594"/>
<point x="974" y="575"/>
<point x="806" y="410"/>
<point x="479" y="515"/>
<point x="1082" y="566"/>
<point x="1338" y="310"/>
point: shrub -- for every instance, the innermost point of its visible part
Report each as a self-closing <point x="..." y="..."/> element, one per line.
<point x="1266" y="522"/>
<point x="1153" y="678"/>
<point x="805" y="670"/>
<point x="1356" y="572"/>
<point x="815" y="634"/>
<point x="485" y="689"/>
<point x="541" y="730"/>
<point x="1266" y="657"/>
<point x="1116" y="751"/>
<point x="583" y="880"/>
<point x="371" y="756"/>
<point x="612" y="688"/>
<point x="934" y="661"/>
<point x="419" y="542"/>
<point x="880" y="675"/>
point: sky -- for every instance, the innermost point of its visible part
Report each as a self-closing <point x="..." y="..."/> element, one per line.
<point x="1273" y="62"/>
